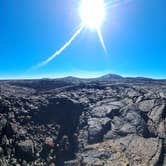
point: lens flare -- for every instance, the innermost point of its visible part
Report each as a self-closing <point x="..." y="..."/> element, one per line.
<point x="61" y="49"/>
<point x="92" y="13"/>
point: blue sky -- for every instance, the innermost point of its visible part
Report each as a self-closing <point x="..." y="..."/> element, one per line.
<point x="32" y="30"/>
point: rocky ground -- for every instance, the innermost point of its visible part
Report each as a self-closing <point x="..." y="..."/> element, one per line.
<point x="106" y="121"/>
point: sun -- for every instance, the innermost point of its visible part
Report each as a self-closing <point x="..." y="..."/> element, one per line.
<point x="92" y="13"/>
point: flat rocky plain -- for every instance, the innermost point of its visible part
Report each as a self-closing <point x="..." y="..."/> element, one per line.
<point x="106" y="121"/>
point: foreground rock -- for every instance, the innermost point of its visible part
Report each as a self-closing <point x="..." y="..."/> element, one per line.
<point x="25" y="149"/>
<point x="130" y="150"/>
<point x="106" y="121"/>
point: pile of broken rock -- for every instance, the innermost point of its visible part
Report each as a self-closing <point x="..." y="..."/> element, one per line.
<point x="119" y="121"/>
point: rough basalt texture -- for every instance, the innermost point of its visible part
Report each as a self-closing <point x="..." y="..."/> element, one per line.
<point x="107" y="121"/>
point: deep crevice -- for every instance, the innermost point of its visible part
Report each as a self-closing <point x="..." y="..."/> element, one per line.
<point x="66" y="114"/>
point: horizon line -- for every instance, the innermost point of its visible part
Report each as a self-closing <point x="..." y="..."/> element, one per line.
<point x="83" y="76"/>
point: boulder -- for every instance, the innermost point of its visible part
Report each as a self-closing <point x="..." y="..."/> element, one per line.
<point x="49" y="142"/>
<point x="11" y="129"/>
<point x="25" y="149"/>
<point x="130" y="150"/>
<point x="3" y="123"/>
<point x="97" y="128"/>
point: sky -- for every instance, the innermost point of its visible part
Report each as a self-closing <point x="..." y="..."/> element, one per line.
<point x="32" y="30"/>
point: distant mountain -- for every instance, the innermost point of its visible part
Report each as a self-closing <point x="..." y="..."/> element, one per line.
<point x="71" y="79"/>
<point x="110" y="77"/>
<point x="47" y="83"/>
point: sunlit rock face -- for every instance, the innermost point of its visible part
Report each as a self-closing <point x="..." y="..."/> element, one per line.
<point x="104" y="121"/>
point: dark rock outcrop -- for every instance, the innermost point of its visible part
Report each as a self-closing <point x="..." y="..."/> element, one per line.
<point x="105" y="121"/>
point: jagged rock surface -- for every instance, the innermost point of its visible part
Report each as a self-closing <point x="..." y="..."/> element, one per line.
<point x="105" y="121"/>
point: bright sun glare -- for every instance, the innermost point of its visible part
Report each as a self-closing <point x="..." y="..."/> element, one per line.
<point x="92" y="13"/>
